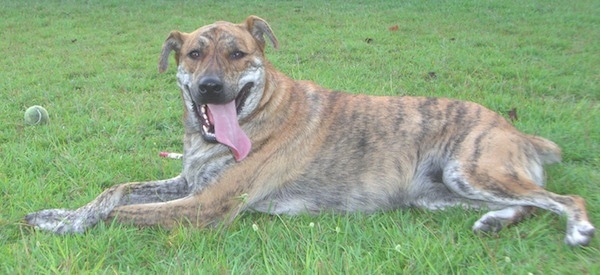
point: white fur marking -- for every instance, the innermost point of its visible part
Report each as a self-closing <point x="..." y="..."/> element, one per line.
<point x="255" y="74"/>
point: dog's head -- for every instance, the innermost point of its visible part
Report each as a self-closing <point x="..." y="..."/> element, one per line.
<point x="221" y="74"/>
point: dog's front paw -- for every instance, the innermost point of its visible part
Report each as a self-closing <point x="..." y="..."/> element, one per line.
<point x="58" y="221"/>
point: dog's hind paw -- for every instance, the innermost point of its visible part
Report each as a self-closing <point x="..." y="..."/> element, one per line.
<point x="580" y="234"/>
<point x="58" y="221"/>
<point x="494" y="221"/>
<point x="487" y="226"/>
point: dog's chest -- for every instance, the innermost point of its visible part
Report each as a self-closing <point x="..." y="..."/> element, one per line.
<point x="203" y="165"/>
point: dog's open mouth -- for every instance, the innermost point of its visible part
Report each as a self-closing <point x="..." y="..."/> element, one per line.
<point x="220" y="123"/>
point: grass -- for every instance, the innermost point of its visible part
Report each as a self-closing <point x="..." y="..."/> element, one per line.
<point x="93" y="65"/>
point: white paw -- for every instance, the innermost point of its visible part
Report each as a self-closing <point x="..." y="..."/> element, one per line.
<point x="487" y="225"/>
<point x="580" y="234"/>
<point x="58" y="221"/>
<point x="494" y="221"/>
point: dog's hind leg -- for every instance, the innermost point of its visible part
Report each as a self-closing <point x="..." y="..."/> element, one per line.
<point x="502" y="167"/>
<point x="63" y="221"/>
<point x="519" y="193"/>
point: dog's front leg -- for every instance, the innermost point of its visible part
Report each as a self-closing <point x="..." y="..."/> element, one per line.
<point x="63" y="221"/>
<point x="217" y="203"/>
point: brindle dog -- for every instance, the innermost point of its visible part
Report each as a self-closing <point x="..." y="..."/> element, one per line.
<point x="257" y="140"/>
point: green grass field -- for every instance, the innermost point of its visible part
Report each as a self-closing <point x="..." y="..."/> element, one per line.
<point x="93" y="65"/>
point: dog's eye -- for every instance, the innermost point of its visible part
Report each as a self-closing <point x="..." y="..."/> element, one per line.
<point x="237" y="55"/>
<point x="195" y="54"/>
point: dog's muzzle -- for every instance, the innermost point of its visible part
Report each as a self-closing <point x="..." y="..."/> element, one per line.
<point x="220" y="119"/>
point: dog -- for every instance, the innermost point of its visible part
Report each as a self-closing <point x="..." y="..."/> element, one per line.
<point x="257" y="140"/>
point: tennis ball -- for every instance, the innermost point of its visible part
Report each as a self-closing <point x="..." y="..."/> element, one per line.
<point x="36" y="115"/>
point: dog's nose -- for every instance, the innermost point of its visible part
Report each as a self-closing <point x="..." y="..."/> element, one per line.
<point x="211" y="85"/>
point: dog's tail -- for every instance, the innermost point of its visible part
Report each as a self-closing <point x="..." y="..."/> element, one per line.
<point x="548" y="151"/>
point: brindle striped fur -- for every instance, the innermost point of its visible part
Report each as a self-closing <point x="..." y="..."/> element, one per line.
<point x="319" y="150"/>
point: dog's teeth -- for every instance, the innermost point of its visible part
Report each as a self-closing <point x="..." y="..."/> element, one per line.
<point x="204" y="113"/>
<point x="205" y="128"/>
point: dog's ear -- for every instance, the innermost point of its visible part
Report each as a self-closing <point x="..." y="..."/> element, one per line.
<point x="259" y="28"/>
<point x="173" y="43"/>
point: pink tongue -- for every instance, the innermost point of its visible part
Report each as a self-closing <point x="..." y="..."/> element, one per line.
<point x="228" y="131"/>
